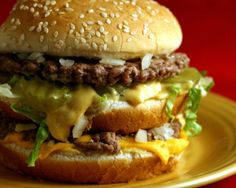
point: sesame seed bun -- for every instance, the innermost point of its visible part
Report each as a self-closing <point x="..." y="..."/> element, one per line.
<point x="118" y="29"/>
<point x="94" y="167"/>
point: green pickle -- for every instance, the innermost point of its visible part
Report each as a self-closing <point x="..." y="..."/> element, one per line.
<point x="41" y="95"/>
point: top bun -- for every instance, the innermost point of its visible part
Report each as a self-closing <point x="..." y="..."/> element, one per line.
<point x="91" y="28"/>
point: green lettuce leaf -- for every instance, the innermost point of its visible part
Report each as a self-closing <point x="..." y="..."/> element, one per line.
<point x="41" y="136"/>
<point x="174" y="92"/>
<point x="192" y="128"/>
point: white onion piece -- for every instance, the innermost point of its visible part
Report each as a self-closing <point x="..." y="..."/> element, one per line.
<point x="111" y="61"/>
<point x="66" y="62"/>
<point x="164" y="132"/>
<point x="141" y="136"/>
<point x="146" y="61"/>
<point x="80" y="126"/>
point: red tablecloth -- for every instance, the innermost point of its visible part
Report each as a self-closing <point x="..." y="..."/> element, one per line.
<point x="209" y="28"/>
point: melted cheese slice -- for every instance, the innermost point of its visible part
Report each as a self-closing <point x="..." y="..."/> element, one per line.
<point x="163" y="149"/>
<point x="142" y="92"/>
<point x="60" y="121"/>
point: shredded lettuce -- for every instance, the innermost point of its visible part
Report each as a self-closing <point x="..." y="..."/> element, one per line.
<point x="6" y="91"/>
<point x="192" y="128"/>
<point x="41" y="136"/>
<point x="174" y="92"/>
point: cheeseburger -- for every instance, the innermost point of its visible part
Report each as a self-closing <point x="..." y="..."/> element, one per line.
<point x="92" y="91"/>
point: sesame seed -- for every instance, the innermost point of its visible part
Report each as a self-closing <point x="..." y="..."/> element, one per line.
<point x="35" y="4"/>
<point x="32" y="28"/>
<point x="102" y="9"/>
<point x="90" y="11"/>
<point x="166" y="21"/>
<point x="94" y="45"/>
<point x="119" y="26"/>
<point x="108" y="21"/>
<point x="45" y="8"/>
<point x="55" y="34"/>
<point x="89" y="36"/>
<point x="32" y="9"/>
<point x="72" y="26"/>
<point x="100" y="22"/>
<point x="40" y="5"/>
<point x="41" y="38"/>
<point x="46" y="30"/>
<point x="59" y="44"/>
<point x="81" y="30"/>
<point x="83" y="40"/>
<point x="98" y="34"/>
<point x="81" y="16"/>
<point x="77" y="34"/>
<point x="12" y="20"/>
<point x="117" y="15"/>
<point x="22" y="7"/>
<point x="53" y="2"/>
<point x="17" y="22"/>
<point x="36" y="14"/>
<point x="126" y="30"/>
<point x="125" y="22"/>
<point x="105" y="47"/>
<point x="85" y="24"/>
<point x="61" y="13"/>
<point x="90" y="22"/>
<point x="151" y="36"/>
<point x="104" y="14"/>
<point x="69" y="9"/>
<point x="112" y="15"/>
<point x="101" y="29"/>
<point x="54" y="23"/>
<point x="129" y="39"/>
<point x="105" y="33"/>
<point x="114" y="38"/>
<point x="92" y="33"/>
<point x="47" y="14"/>
<point x="67" y="5"/>
<point x="133" y="33"/>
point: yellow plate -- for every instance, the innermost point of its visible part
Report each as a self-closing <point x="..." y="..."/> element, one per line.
<point x="210" y="157"/>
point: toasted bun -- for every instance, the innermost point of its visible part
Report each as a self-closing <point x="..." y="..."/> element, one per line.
<point x="118" y="29"/>
<point x="127" y="120"/>
<point x="87" y="168"/>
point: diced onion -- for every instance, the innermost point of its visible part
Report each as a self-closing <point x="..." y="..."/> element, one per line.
<point x="111" y="61"/>
<point x="79" y="127"/>
<point x="146" y="61"/>
<point x="164" y="132"/>
<point x="25" y="127"/>
<point x="66" y="62"/>
<point x="141" y="136"/>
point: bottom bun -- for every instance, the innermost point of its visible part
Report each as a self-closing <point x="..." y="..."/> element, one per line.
<point x="89" y="167"/>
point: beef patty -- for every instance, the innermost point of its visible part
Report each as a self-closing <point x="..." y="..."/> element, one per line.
<point x="92" y="72"/>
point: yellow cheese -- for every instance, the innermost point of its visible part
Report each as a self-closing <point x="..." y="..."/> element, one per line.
<point x="84" y="138"/>
<point x="61" y="120"/>
<point x="163" y="149"/>
<point x="142" y="92"/>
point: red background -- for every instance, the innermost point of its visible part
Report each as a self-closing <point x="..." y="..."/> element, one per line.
<point x="209" y="28"/>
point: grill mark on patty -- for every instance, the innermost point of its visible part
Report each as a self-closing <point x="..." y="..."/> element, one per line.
<point x="92" y="72"/>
